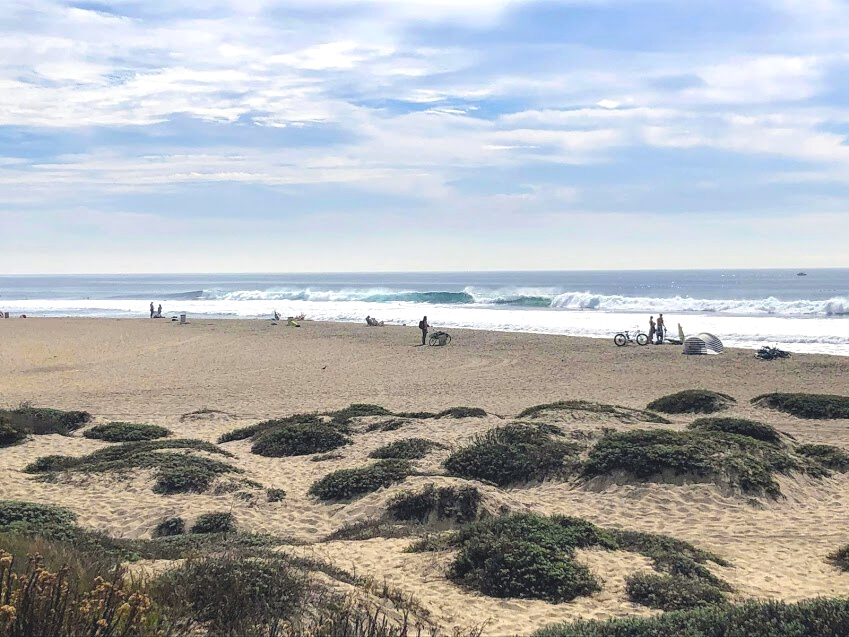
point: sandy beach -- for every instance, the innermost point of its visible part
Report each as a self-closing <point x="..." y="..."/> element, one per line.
<point x="152" y="371"/>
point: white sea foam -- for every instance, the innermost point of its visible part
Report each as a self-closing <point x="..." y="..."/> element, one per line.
<point x="795" y="333"/>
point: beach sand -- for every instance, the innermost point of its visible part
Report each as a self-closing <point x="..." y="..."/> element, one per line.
<point x="158" y="371"/>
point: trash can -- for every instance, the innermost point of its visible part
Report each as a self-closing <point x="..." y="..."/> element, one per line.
<point x="183" y="318"/>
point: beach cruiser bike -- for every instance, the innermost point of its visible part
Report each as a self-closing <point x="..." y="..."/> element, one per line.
<point x="623" y="338"/>
<point x="439" y="338"/>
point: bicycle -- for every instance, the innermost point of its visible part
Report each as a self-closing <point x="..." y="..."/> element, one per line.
<point x="623" y="338"/>
<point x="439" y="339"/>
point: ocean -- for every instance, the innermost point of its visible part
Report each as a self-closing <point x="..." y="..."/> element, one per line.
<point x="744" y="308"/>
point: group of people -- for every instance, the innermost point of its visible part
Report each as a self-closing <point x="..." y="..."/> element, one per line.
<point x="158" y="313"/>
<point x="373" y="322"/>
<point x="657" y="329"/>
<point x="424" y="326"/>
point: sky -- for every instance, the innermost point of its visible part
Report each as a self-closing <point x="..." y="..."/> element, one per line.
<point x="393" y="135"/>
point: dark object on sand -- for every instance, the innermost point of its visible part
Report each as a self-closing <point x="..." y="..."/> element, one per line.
<point x="801" y="274"/>
<point x="439" y="338"/>
<point x="767" y="353"/>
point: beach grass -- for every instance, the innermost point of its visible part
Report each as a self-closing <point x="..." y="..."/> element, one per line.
<point x="692" y="401"/>
<point x="808" y="406"/>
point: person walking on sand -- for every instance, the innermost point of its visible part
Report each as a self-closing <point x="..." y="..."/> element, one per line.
<point x="423" y="326"/>
<point x="151" y="309"/>
<point x="661" y="328"/>
<point x="159" y="311"/>
<point x="652" y="329"/>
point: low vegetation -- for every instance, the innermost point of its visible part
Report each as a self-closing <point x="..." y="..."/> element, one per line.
<point x="406" y="449"/>
<point x="324" y="457"/>
<point x="625" y="414"/>
<point x="692" y="401"/>
<point x="462" y="412"/>
<point x="452" y="504"/>
<point x="830" y="457"/>
<point x="245" y="433"/>
<point x="126" y="432"/>
<point x="739" y="426"/>
<point x="671" y="592"/>
<point x="741" y="462"/>
<point x="299" y="439"/>
<point x="351" y="483"/>
<point x="217" y="522"/>
<point x="275" y="495"/>
<point x="815" y="618"/>
<point x="170" y="527"/>
<point x="38" y="421"/>
<point x="512" y="454"/>
<point x="357" y="410"/>
<point x="531" y="556"/>
<point x="809" y="406"/>
<point x="174" y="472"/>
<point x="10" y="436"/>
<point x="369" y="529"/>
<point x="840" y="558"/>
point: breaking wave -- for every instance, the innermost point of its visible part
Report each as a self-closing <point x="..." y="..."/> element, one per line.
<point x="532" y="298"/>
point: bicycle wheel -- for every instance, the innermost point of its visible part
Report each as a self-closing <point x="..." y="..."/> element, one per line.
<point x="433" y="341"/>
<point x="642" y="339"/>
<point x="620" y="340"/>
<point x="448" y="339"/>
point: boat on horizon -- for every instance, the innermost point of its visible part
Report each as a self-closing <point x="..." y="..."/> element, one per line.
<point x="801" y="274"/>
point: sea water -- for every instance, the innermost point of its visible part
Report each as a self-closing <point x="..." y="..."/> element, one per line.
<point x="744" y="308"/>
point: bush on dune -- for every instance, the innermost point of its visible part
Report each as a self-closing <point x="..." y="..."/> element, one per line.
<point x="743" y="462"/>
<point x="41" y="420"/>
<point x="350" y="483"/>
<point x="454" y="504"/>
<point x="357" y="410"/>
<point x="739" y="426"/>
<point x="623" y="413"/>
<point x="217" y="522"/>
<point x="244" y="433"/>
<point x="299" y="440"/>
<point x="511" y="454"/>
<point x="10" y="436"/>
<point x="462" y="412"/>
<point x="692" y="401"/>
<point x="830" y="457"/>
<point x="175" y="472"/>
<point x="170" y="527"/>
<point x="671" y="592"/>
<point x="126" y="432"/>
<point x="406" y="449"/>
<point x="815" y="618"/>
<point x="42" y="519"/>
<point x="840" y="558"/>
<point x="809" y="406"/>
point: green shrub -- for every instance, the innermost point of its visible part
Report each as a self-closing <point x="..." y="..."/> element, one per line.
<point x="462" y="412"/>
<point x="743" y="462"/>
<point x="30" y="518"/>
<point x="527" y="556"/>
<point x="235" y="595"/>
<point x="626" y="414"/>
<point x="275" y="495"/>
<point x="170" y="527"/>
<point x="815" y="618"/>
<point x="810" y="406"/>
<point x="511" y="454"/>
<point x="350" y="483"/>
<point x="369" y="529"/>
<point x="454" y="504"/>
<point x="739" y="426"/>
<point x="41" y="421"/>
<point x="692" y="401"/>
<point x="298" y="440"/>
<point x="417" y="415"/>
<point x="406" y="449"/>
<point x="393" y="424"/>
<point x="357" y="410"/>
<point x="840" y="558"/>
<point x="174" y="472"/>
<point x="10" y="436"/>
<point x="126" y="432"/>
<point x="671" y="592"/>
<point x="217" y="522"/>
<point x="249" y="432"/>
<point x="324" y="457"/>
<point x="830" y="457"/>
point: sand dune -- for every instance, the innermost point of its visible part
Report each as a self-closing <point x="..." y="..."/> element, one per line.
<point x="157" y="372"/>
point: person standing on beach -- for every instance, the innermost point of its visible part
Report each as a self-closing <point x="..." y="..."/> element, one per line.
<point x="159" y="311"/>
<point x="151" y="309"/>
<point x="423" y="326"/>
<point x="652" y="329"/>
<point x="660" y="329"/>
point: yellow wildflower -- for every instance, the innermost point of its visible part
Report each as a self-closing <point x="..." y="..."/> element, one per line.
<point x="102" y="623"/>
